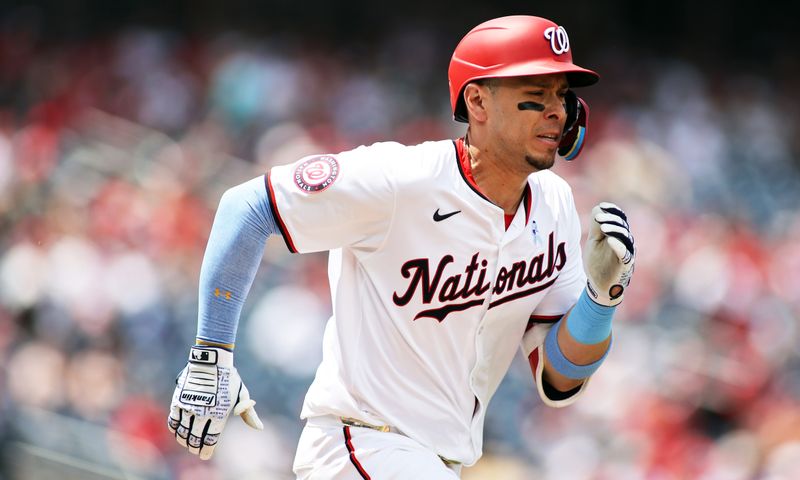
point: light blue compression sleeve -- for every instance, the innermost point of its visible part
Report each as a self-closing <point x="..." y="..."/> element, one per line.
<point x="564" y="365"/>
<point x="590" y="322"/>
<point x="235" y="247"/>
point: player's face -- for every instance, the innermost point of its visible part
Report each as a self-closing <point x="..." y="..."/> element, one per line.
<point x="527" y="118"/>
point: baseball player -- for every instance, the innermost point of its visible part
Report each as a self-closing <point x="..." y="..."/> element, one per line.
<point x="445" y="258"/>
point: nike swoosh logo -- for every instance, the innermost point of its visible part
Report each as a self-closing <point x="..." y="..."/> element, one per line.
<point x="437" y="217"/>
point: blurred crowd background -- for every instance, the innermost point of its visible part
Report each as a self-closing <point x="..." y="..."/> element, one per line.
<point x="122" y="123"/>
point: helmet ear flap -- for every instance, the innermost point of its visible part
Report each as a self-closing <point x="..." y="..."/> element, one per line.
<point x="460" y="112"/>
<point x="572" y="106"/>
<point x="575" y="127"/>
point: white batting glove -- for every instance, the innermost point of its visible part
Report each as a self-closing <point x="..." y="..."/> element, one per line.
<point x="208" y="389"/>
<point x="609" y="254"/>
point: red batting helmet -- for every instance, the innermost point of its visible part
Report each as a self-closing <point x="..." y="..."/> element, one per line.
<point x="512" y="47"/>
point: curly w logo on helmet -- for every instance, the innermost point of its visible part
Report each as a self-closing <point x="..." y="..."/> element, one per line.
<point x="559" y="41"/>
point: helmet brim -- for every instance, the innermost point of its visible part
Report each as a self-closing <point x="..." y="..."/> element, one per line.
<point x="576" y="77"/>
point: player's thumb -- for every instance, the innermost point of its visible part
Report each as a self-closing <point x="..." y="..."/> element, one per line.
<point x="245" y="408"/>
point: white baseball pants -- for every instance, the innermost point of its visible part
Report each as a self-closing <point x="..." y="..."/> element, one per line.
<point x="330" y="450"/>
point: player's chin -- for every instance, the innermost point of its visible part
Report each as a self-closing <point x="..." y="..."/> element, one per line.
<point x="541" y="161"/>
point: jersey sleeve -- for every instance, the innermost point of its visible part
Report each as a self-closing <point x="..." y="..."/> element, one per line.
<point x="572" y="278"/>
<point x="557" y="302"/>
<point x="324" y="202"/>
<point x="533" y="348"/>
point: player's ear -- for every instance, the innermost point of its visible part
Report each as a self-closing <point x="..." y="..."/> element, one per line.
<point x="475" y="98"/>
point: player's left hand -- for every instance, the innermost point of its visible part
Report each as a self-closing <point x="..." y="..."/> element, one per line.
<point x="610" y="254"/>
<point x="207" y="390"/>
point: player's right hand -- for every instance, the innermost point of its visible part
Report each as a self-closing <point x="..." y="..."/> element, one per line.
<point x="206" y="392"/>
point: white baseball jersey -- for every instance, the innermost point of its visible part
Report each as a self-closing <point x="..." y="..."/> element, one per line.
<point x="432" y="295"/>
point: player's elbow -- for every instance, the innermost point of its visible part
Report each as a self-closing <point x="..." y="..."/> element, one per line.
<point x="559" y="382"/>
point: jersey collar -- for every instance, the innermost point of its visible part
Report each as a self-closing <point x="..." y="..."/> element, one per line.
<point x="465" y="167"/>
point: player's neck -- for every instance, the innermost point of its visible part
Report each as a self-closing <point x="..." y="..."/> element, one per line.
<point x="500" y="184"/>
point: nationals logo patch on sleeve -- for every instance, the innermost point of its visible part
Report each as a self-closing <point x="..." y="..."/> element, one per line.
<point x="316" y="173"/>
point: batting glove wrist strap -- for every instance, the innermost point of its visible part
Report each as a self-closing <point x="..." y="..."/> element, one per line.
<point x="207" y="390"/>
<point x="610" y="255"/>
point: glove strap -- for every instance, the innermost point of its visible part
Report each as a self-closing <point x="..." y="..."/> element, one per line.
<point x="210" y="356"/>
<point x="605" y="299"/>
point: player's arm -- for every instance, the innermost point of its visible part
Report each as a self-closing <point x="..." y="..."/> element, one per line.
<point x="209" y="387"/>
<point x="579" y="342"/>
